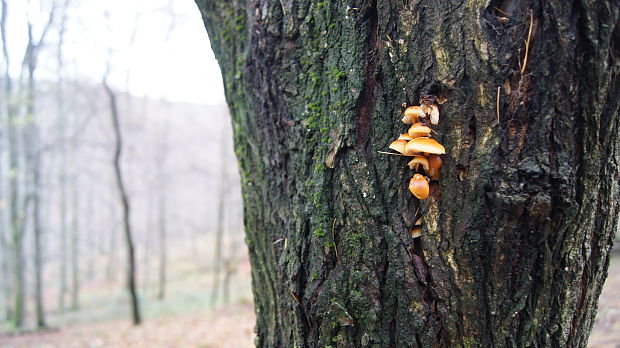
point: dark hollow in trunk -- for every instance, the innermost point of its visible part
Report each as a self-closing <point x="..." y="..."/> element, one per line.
<point x="517" y="233"/>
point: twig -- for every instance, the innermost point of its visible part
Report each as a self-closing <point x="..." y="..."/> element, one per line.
<point x="394" y="154"/>
<point x="527" y="43"/>
<point x="334" y="239"/>
<point x="295" y="297"/>
<point x="283" y="10"/>
<point x="498" y="89"/>
<point x="500" y="11"/>
<point x="285" y="240"/>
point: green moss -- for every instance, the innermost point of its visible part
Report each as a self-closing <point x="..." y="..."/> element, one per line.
<point x="314" y="275"/>
<point x="319" y="232"/>
<point x="336" y="74"/>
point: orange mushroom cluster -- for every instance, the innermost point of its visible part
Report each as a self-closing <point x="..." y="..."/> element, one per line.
<point x="419" y="144"/>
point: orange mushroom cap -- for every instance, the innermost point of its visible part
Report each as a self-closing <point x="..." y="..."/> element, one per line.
<point x="405" y="136"/>
<point x="399" y="145"/>
<point x="415" y="163"/>
<point x="418" y="185"/>
<point x="425" y="144"/>
<point x="416" y="232"/>
<point x="420" y="129"/>
<point x="412" y="114"/>
<point x="434" y="163"/>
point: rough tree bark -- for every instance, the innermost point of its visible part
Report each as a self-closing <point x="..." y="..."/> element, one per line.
<point x="517" y="233"/>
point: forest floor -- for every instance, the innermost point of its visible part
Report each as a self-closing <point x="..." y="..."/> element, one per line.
<point x="227" y="327"/>
<point x="606" y="332"/>
<point x="232" y="326"/>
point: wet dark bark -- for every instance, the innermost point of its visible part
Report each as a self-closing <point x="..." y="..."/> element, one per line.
<point x="517" y="233"/>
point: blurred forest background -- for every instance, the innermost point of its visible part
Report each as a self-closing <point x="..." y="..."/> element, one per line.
<point x="69" y="69"/>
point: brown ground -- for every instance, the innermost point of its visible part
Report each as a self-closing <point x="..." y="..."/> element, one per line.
<point x="606" y="332"/>
<point x="230" y="327"/>
<point x="233" y="327"/>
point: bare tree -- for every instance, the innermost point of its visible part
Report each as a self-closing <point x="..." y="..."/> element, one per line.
<point x="24" y="165"/>
<point x="5" y="169"/>
<point x="131" y="280"/>
<point x="162" y="155"/>
<point x="219" y="229"/>
<point x="75" y="235"/>
<point x="62" y="166"/>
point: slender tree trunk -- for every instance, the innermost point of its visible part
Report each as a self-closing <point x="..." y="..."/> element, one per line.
<point x="5" y="171"/>
<point x="516" y="234"/>
<point x="62" y="165"/>
<point x="112" y="255"/>
<point x="219" y="228"/>
<point x="146" y="249"/>
<point x="75" y="236"/>
<point x="131" y="272"/>
<point x="14" y="309"/>
<point x="230" y="267"/>
<point x="38" y="235"/>
<point x="32" y="149"/>
<point x="88" y="229"/>
<point x="161" y="226"/>
<point x="34" y="158"/>
<point x="62" y="279"/>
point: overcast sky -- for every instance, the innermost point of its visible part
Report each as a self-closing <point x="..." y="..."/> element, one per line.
<point x="170" y="56"/>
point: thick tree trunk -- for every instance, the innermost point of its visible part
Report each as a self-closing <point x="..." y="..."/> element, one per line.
<point x="517" y="233"/>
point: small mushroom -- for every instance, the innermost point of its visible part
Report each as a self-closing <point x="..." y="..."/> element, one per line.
<point x="419" y="221"/>
<point x="434" y="163"/>
<point x="399" y="145"/>
<point x="434" y="114"/>
<point x="415" y="163"/>
<point x="412" y="114"/>
<point x="419" y="130"/>
<point x="418" y="185"/>
<point x="416" y="232"/>
<point x="405" y="136"/>
<point x="424" y="144"/>
<point x="426" y="108"/>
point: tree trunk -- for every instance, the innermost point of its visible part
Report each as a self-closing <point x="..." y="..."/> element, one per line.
<point x="517" y="233"/>
<point x="131" y="262"/>
<point x="6" y="169"/>
<point x="75" y="235"/>
<point x="38" y="234"/>
<point x="14" y="195"/>
<point x="62" y="125"/>
<point x="162" y="209"/>
<point x="219" y="227"/>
